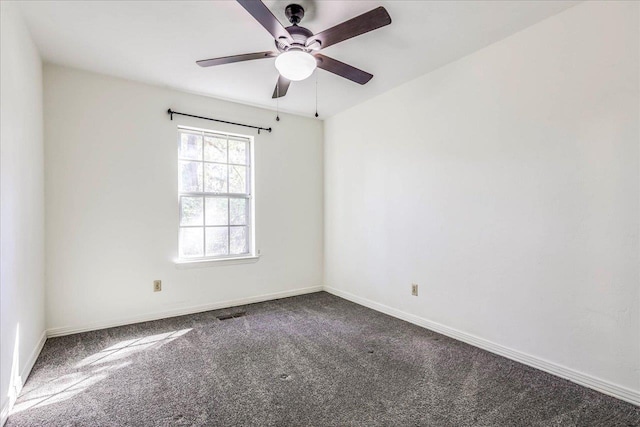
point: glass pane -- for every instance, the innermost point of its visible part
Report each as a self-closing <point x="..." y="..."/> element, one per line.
<point x="191" y="243"/>
<point x="217" y="241"/>
<point x="191" y="211"/>
<point x="215" y="178"/>
<point x="237" y="179"/>
<point x="239" y="241"/>
<point x="190" y="146"/>
<point x="215" y="149"/>
<point x="237" y="152"/>
<point x="190" y="176"/>
<point x="238" y="211"/>
<point x="217" y="211"/>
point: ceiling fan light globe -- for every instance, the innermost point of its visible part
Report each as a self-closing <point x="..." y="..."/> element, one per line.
<point x="295" y="65"/>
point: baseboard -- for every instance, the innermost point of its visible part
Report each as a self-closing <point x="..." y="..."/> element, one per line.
<point x="24" y="374"/>
<point x="4" y="414"/>
<point x="577" y="377"/>
<point x="68" y="330"/>
<point x="26" y="370"/>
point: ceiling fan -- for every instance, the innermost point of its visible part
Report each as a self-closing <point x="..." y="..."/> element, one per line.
<point x="298" y="48"/>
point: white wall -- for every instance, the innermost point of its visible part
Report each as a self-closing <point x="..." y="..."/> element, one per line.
<point x="506" y="185"/>
<point x="111" y="201"/>
<point x="21" y="205"/>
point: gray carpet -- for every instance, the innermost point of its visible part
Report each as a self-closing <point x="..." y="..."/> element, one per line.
<point x="313" y="360"/>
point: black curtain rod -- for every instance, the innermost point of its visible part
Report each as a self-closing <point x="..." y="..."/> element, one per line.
<point x="171" y="113"/>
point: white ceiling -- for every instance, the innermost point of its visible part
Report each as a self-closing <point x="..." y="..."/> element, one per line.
<point x="158" y="42"/>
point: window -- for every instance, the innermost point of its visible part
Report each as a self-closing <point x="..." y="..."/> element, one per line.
<point x="215" y="195"/>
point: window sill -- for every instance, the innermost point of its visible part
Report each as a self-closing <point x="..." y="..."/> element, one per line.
<point x="200" y="263"/>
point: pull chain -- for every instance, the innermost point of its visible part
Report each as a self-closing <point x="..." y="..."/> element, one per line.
<point x="278" y="100"/>
<point x="316" y="93"/>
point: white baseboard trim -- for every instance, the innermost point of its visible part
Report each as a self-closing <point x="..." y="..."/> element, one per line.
<point x="26" y="370"/>
<point x="68" y="330"/>
<point x="24" y="374"/>
<point x="4" y="415"/>
<point x="577" y="377"/>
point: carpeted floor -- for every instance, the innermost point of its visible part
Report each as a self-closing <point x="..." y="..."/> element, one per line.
<point x="313" y="360"/>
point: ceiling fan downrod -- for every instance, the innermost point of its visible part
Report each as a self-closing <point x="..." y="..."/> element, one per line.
<point x="294" y="13"/>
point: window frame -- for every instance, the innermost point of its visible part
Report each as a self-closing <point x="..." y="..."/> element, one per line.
<point x="249" y="197"/>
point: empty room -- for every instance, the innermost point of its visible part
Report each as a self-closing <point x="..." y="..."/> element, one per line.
<point x="320" y="213"/>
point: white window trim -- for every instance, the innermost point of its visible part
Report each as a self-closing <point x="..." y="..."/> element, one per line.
<point x="215" y="262"/>
<point x="253" y="255"/>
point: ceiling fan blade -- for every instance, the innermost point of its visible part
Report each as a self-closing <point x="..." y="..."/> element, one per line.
<point x="263" y="15"/>
<point x="374" y="19"/>
<point x="343" y="70"/>
<point x="281" y="87"/>
<point x="235" y="58"/>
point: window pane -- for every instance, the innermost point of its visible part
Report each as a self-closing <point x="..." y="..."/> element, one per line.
<point x="238" y="211"/>
<point x="191" y="211"/>
<point x="237" y="152"/>
<point x="215" y="178"/>
<point x="215" y="149"/>
<point x="237" y="179"/>
<point x="190" y="176"/>
<point x="217" y="211"/>
<point x="217" y="225"/>
<point x="239" y="242"/>
<point x="191" y="243"/>
<point x="190" y="146"/>
<point x="217" y="241"/>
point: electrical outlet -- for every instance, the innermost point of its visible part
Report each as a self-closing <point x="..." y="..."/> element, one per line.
<point x="414" y="289"/>
<point x="157" y="285"/>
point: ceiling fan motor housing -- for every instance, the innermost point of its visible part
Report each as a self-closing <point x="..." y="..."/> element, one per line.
<point x="299" y="36"/>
